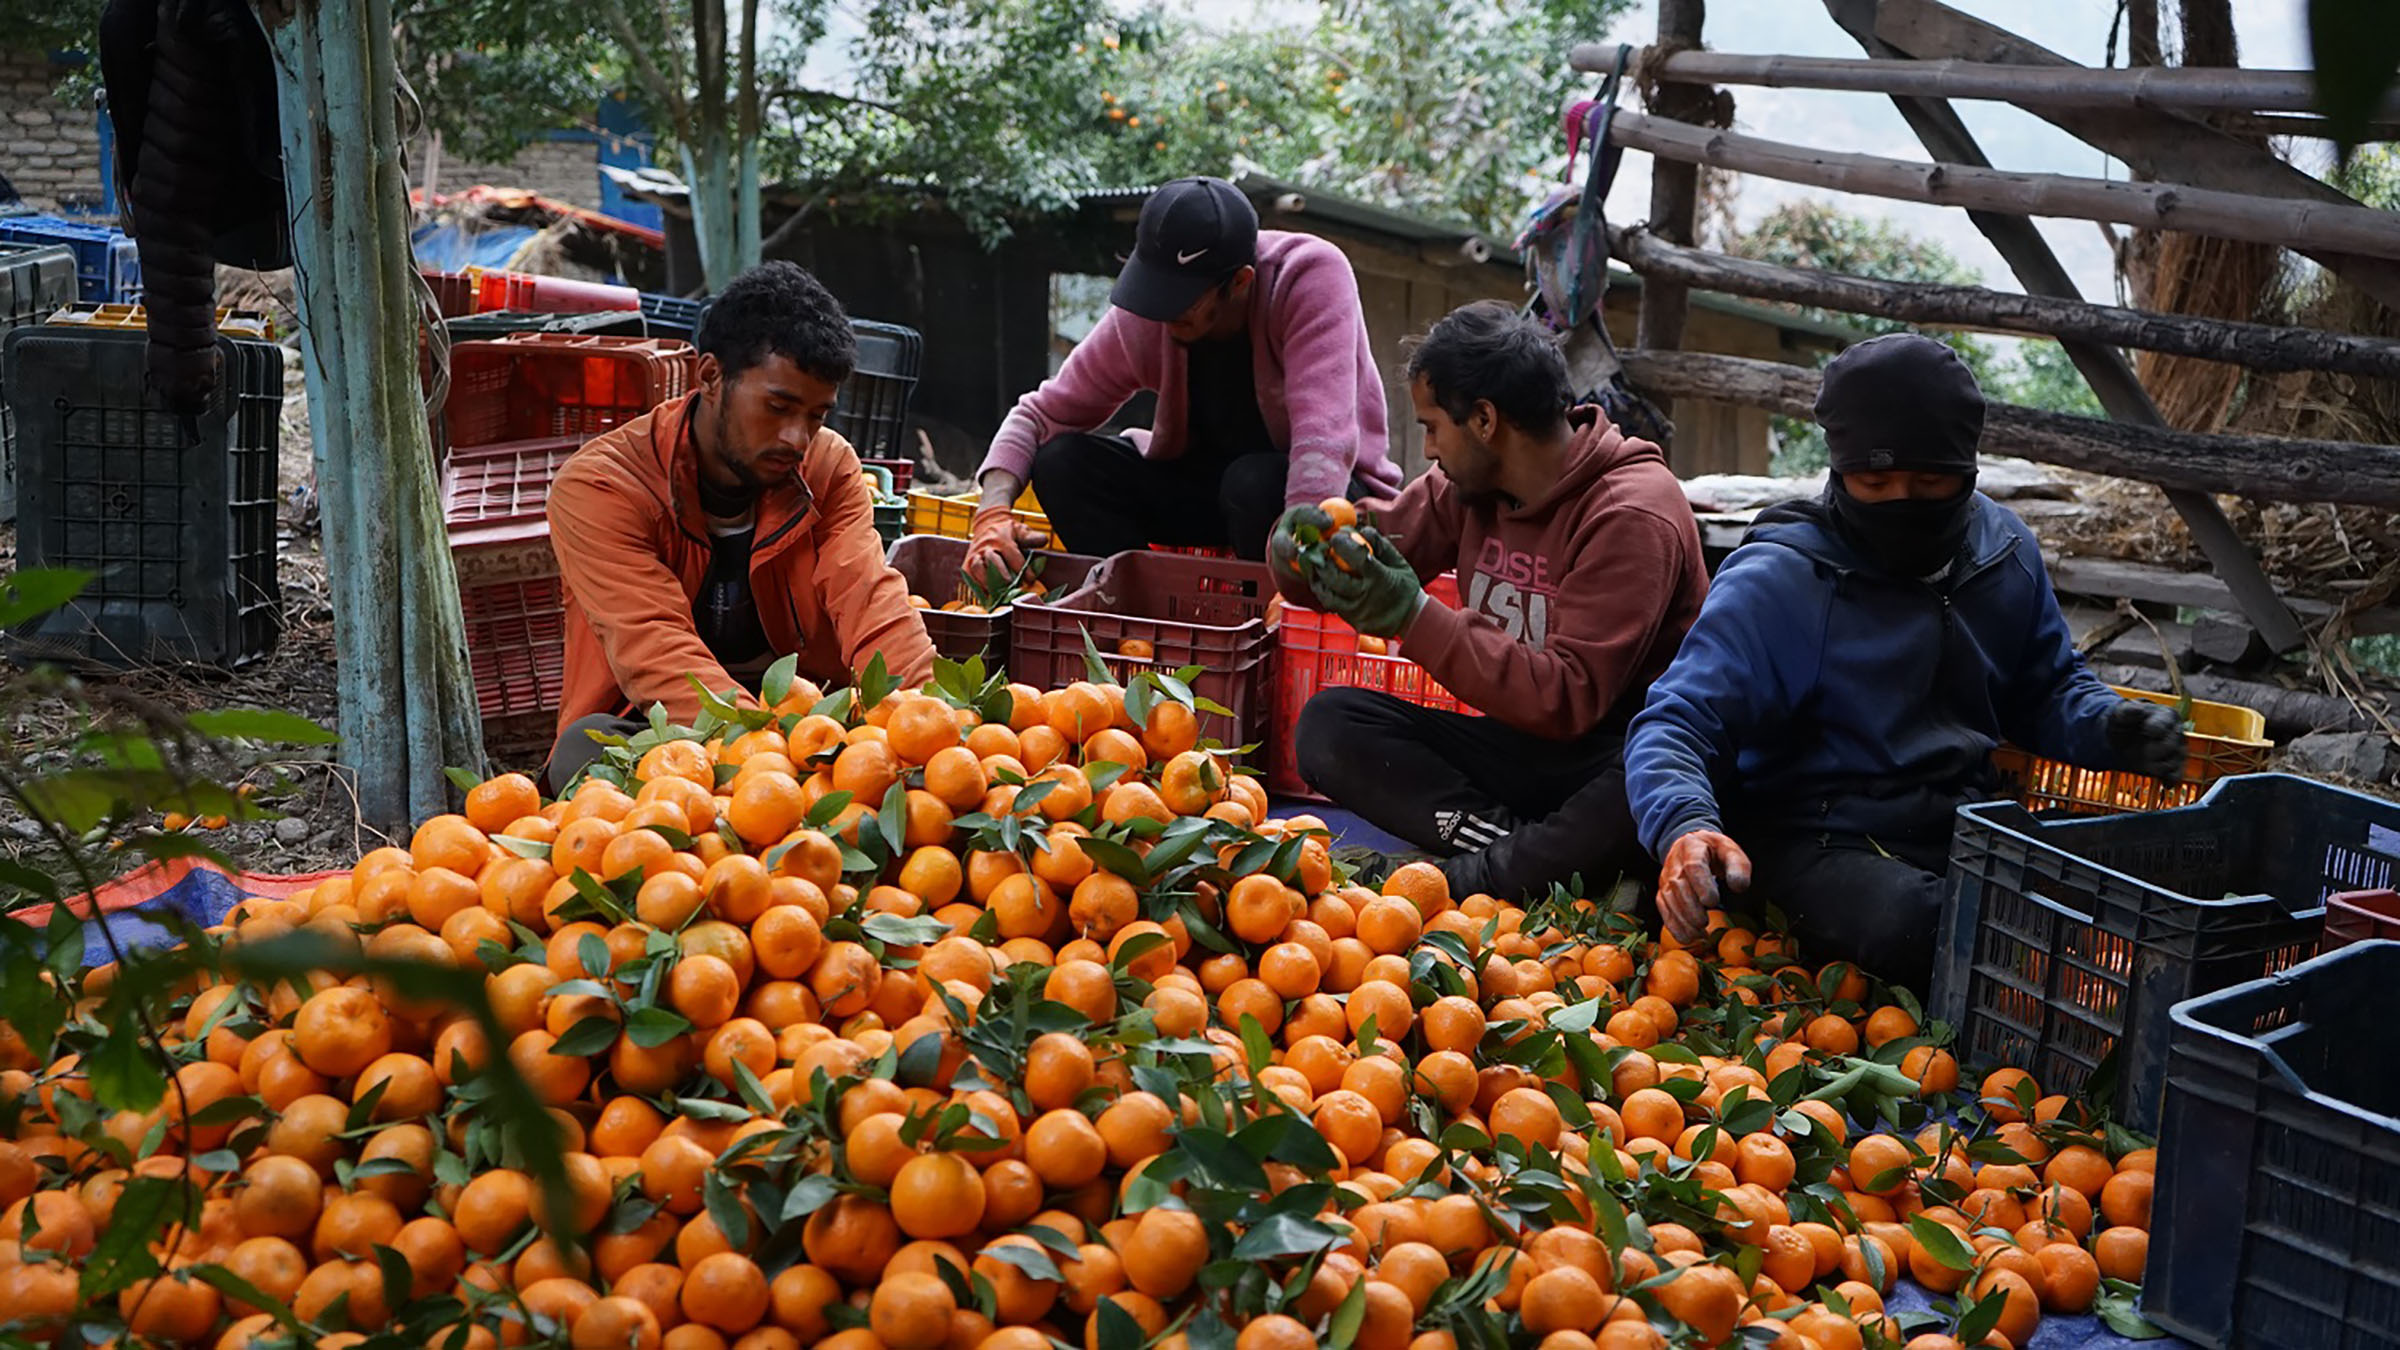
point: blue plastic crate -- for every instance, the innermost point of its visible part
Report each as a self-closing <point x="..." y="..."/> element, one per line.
<point x="35" y="281"/>
<point x="2276" y="1220"/>
<point x="672" y="316"/>
<point x="2068" y="941"/>
<point x="108" y="266"/>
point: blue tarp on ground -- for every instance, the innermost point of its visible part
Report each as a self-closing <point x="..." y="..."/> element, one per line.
<point x="447" y="247"/>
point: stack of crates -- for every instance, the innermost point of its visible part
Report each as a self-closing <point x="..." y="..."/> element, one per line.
<point x="35" y="279"/>
<point x="672" y="316"/>
<point x="108" y="267"/>
<point x="174" y="518"/>
<point x="518" y="407"/>
<point x="874" y="401"/>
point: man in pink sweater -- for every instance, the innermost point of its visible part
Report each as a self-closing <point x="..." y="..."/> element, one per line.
<point x="1268" y="395"/>
<point x="1579" y="571"/>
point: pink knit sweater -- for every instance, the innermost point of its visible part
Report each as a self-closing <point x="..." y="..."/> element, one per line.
<point x="1317" y="383"/>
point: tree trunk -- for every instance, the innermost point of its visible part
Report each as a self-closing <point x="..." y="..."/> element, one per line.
<point x="2257" y="346"/>
<point x="407" y="703"/>
<point x="2268" y="468"/>
<point x="708" y="152"/>
<point x="746" y="144"/>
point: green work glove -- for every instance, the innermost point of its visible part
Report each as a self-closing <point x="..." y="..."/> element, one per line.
<point x="1366" y="581"/>
<point x="1297" y="531"/>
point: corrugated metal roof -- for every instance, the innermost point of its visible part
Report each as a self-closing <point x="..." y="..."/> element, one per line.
<point x="1318" y="204"/>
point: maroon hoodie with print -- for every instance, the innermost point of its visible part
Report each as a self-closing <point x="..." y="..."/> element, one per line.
<point x="1570" y="605"/>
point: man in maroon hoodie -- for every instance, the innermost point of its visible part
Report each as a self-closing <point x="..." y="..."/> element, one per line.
<point x="1580" y="569"/>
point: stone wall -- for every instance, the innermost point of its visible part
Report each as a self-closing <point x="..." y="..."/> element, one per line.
<point x="49" y="148"/>
<point x="566" y="170"/>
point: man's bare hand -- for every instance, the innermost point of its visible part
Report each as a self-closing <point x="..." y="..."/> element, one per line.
<point x="1688" y="880"/>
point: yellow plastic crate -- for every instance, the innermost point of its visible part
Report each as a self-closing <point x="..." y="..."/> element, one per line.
<point x="954" y="517"/>
<point x="2224" y="739"/>
<point x="242" y="323"/>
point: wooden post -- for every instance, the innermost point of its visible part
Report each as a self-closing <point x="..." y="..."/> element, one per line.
<point x="1674" y="201"/>
<point x="407" y="703"/>
<point x="2256" y="346"/>
<point x="2179" y="88"/>
<point x="2159" y="145"/>
<point x="2269" y="468"/>
<point x="1975" y="185"/>
<point x="2111" y="377"/>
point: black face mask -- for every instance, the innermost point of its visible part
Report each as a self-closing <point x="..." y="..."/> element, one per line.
<point x="1911" y="537"/>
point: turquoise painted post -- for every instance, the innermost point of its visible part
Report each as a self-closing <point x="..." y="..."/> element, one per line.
<point x="407" y="701"/>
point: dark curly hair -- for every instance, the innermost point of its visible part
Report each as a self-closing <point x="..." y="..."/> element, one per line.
<point x="1487" y="351"/>
<point x="777" y="307"/>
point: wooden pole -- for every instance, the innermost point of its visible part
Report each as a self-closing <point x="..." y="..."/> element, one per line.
<point x="2269" y="468"/>
<point x="2159" y="145"/>
<point x="407" y="702"/>
<point x="2165" y="206"/>
<point x="1674" y="191"/>
<point x="2111" y="377"/>
<point x="2171" y="88"/>
<point x="2257" y="346"/>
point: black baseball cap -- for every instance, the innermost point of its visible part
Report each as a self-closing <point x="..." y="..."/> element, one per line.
<point x="1194" y="232"/>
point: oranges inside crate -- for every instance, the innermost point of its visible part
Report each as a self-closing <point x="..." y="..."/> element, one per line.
<point x="2224" y="739"/>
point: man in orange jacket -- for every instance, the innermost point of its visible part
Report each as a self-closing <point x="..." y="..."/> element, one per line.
<point x="725" y="529"/>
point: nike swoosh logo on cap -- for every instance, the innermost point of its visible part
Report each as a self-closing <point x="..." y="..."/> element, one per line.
<point x="1187" y="259"/>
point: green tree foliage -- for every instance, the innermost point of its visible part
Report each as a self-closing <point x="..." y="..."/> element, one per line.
<point x="1819" y="235"/>
<point x="1444" y="108"/>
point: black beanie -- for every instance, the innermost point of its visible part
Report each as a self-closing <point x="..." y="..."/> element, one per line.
<point x="1900" y="401"/>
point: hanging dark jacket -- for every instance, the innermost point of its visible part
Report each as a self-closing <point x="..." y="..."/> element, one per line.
<point x="192" y="93"/>
<point x="1818" y="693"/>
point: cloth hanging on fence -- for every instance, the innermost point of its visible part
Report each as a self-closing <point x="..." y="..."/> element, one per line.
<point x="1565" y="243"/>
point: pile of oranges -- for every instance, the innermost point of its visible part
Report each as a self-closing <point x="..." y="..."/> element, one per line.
<point x="999" y="1018"/>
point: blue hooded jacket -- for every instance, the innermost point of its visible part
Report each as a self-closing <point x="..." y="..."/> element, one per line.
<point x="1818" y="693"/>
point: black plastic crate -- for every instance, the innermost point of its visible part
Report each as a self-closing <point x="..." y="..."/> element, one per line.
<point x="35" y="279"/>
<point x="672" y="316"/>
<point x="178" y="532"/>
<point x="2276" y="1218"/>
<point x="500" y="323"/>
<point x="2066" y="939"/>
<point x="873" y="406"/>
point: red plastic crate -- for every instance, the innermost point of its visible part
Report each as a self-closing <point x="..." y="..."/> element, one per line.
<point x="533" y="385"/>
<point x="453" y="292"/>
<point x="1195" y="551"/>
<point x="502" y="483"/>
<point x="1314" y="651"/>
<point x="2361" y="916"/>
<point x="1192" y="611"/>
<point x="931" y="565"/>
<point x="517" y="651"/>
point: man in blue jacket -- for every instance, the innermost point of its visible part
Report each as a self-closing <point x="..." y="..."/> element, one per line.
<point x="1856" y="660"/>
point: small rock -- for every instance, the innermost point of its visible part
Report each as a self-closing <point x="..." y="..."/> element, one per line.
<point x="26" y="830"/>
<point x="2363" y="755"/>
<point x="291" y="831"/>
<point x="324" y="841"/>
